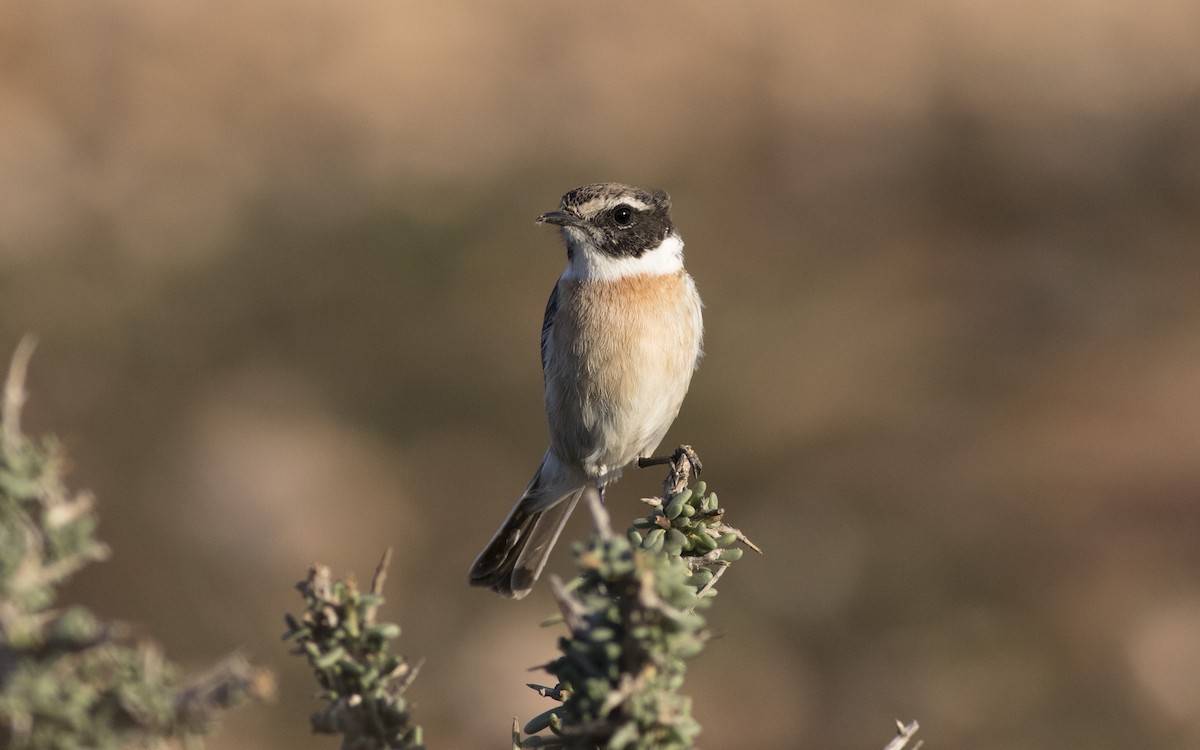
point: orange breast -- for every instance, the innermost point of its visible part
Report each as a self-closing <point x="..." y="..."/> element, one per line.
<point x="623" y="353"/>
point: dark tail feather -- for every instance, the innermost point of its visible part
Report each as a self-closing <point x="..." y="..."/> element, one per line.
<point x="512" y="561"/>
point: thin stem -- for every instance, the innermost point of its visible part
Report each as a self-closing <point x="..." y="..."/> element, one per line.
<point x="14" y="394"/>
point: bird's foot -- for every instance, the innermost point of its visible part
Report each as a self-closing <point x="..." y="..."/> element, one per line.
<point x="684" y="462"/>
<point x="683" y="452"/>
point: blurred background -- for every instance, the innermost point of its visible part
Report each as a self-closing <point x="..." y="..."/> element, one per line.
<point x="281" y="261"/>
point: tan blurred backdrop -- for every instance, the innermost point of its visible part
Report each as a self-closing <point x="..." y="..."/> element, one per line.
<point x="281" y="260"/>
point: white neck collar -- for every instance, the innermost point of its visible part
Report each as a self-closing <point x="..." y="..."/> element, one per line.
<point x="588" y="264"/>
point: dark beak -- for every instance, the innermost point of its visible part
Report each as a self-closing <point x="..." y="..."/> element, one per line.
<point x="559" y="218"/>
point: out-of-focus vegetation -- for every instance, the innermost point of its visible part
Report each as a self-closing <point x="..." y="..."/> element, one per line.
<point x="282" y="262"/>
<point x="67" y="679"/>
<point x="362" y="684"/>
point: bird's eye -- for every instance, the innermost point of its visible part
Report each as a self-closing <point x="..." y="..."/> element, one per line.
<point x="623" y="215"/>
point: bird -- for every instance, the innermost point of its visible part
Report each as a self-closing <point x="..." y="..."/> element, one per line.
<point x="621" y="338"/>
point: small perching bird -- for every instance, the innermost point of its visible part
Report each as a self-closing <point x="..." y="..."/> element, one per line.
<point x="620" y="341"/>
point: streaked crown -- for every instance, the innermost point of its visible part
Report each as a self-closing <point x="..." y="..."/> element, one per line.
<point x="618" y="220"/>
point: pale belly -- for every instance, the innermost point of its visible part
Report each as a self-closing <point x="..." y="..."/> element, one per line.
<point x="620" y="358"/>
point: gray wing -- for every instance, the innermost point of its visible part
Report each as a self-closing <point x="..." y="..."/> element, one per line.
<point x="548" y="323"/>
